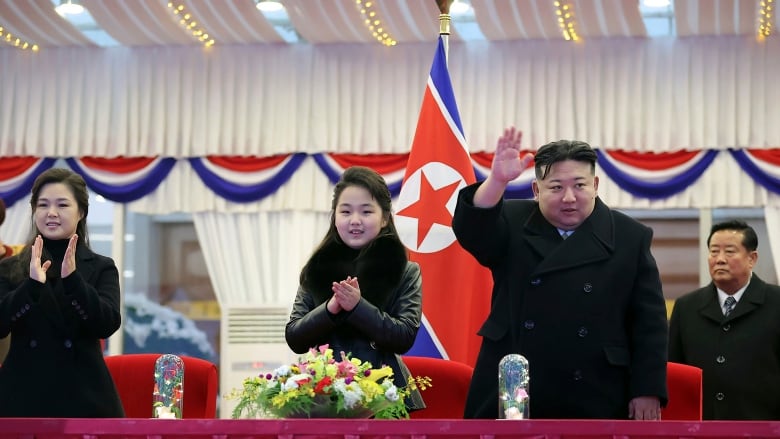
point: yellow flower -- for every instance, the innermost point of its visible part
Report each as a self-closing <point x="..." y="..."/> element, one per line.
<point x="378" y="374"/>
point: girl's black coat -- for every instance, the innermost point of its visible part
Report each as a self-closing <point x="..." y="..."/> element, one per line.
<point x="384" y="323"/>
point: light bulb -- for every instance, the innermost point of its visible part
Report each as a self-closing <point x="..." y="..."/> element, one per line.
<point x="69" y="8"/>
<point x="269" y="5"/>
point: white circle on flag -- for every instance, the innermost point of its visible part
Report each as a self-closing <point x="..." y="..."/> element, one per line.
<point x="440" y="236"/>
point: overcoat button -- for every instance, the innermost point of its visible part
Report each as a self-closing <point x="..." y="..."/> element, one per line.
<point x="529" y="324"/>
<point x="588" y="287"/>
<point x="720" y="396"/>
<point x="536" y="282"/>
<point x="68" y="344"/>
<point x="372" y="344"/>
<point x="721" y="359"/>
<point x="33" y="343"/>
<point x="582" y="332"/>
<point x="726" y="328"/>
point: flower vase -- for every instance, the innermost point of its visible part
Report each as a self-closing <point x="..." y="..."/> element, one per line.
<point x="513" y="398"/>
<point x="168" y="396"/>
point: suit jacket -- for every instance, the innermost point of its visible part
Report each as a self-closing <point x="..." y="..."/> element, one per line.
<point x="739" y="355"/>
<point x="587" y="312"/>
<point x="55" y="366"/>
<point x="384" y="323"/>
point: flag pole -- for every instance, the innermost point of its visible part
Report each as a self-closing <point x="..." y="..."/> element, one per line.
<point x="444" y="24"/>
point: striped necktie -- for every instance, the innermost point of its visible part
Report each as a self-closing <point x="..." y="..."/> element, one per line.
<point x="729" y="305"/>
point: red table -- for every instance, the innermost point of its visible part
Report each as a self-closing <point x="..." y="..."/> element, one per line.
<point x="359" y="429"/>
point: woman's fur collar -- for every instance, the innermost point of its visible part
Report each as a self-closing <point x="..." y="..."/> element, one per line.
<point x="378" y="269"/>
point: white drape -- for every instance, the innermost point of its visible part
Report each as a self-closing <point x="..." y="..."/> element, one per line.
<point x="254" y="258"/>
<point x="772" y="217"/>
<point x="16" y="227"/>
<point x="636" y="94"/>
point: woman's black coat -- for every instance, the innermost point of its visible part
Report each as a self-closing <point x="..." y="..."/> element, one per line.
<point x="55" y="365"/>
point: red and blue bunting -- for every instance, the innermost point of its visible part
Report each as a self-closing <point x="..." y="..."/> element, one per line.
<point x="763" y="165"/>
<point x="655" y="175"/>
<point x="122" y="179"/>
<point x="246" y="179"/>
<point x="17" y="175"/>
<point x="391" y="166"/>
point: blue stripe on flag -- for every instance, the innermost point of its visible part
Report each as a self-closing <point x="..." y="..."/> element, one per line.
<point x="424" y="346"/>
<point x="441" y="80"/>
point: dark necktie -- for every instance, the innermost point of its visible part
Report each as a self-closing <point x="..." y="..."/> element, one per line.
<point x="566" y="234"/>
<point x="729" y="305"/>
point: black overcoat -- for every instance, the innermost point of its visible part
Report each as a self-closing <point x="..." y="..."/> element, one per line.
<point x="739" y="355"/>
<point x="587" y="312"/>
<point x="55" y="365"/>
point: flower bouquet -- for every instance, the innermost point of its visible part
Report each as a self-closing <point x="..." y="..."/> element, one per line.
<point x="319" y="386"/>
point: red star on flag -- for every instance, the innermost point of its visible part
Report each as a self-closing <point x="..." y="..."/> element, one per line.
<point x="430" y="208"/>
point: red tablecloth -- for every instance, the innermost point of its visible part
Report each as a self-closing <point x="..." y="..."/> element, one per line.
<point x="360" y="429"/>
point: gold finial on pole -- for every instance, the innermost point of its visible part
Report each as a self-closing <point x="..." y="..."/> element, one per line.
<point x="444" y="16"/>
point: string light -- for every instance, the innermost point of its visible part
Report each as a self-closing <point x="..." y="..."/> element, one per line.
<point x="765" y="19"/>
<point x="566" y="21"/>
<point x="373" y="22"/>
<point x="11" y="39"/>
<point x="188" y="22"/>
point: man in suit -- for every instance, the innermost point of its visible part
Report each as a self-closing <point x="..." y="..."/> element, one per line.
<point x="731" y="330"/>
<point x="576" y="290"/>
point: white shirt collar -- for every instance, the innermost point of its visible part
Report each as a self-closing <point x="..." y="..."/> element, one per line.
<point x="737" y="296"/>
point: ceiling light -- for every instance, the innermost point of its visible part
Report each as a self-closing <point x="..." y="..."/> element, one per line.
<point x="656" y="3"/>
<point x="459" y="7"/>
<point x="269" y="5"/>
<point x="69" y="7"/>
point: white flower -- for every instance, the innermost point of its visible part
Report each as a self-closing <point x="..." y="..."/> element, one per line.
<point x="352" y="393"/>
<point x="392" y="394"/>
<point x="282" y="370"/>
<point x="292" y="382"/>
<point x="513" y="413"/>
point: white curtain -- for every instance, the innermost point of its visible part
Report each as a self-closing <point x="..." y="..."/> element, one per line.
<point x="636" y="94"/>
<point x="772" y="217"/>
<point x="18" y="220"/>
<point x="255" y="258"/>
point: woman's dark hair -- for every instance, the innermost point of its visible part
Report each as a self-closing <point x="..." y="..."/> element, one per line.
<point x="375" y="184"/>
<point x="561" y="150"/>
<point x="749" y="237"/>
<point x="18" y="267"/>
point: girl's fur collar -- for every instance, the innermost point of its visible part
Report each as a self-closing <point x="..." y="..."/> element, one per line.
<point x="378" y="268"/>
